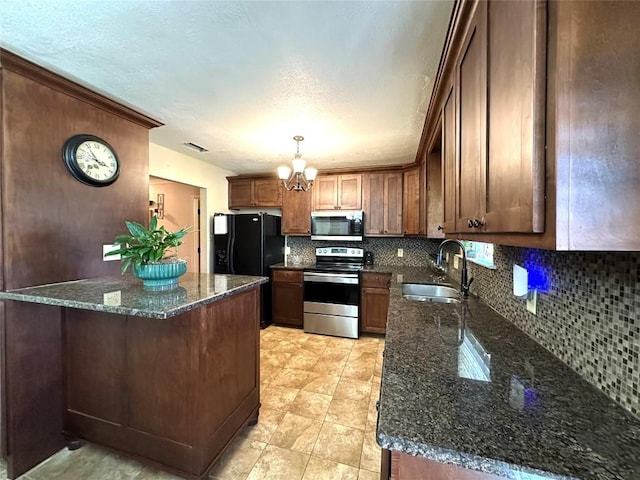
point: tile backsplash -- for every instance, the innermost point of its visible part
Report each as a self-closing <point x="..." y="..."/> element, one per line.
<point x="587" y="308"/>
<point x="587" y="311"/>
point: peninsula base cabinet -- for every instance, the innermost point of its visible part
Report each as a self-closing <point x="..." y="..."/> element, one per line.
<point x="374" y="302"/>
<point x="400" y="466"/>
<point x="172" y="392"/>
<point x="288" y="301"/>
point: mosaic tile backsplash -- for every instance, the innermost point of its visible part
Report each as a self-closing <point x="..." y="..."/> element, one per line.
<point x="587" y="309"/>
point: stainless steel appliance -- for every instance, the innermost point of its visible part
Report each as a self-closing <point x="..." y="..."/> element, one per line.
<point x="247" y="244"/>
<point x="332" y="292"/>
<point x="343" y="225"/>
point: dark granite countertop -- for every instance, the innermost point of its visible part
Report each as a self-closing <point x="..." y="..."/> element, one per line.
<point x="124" y="294"/>
<point x="462" y="385"/>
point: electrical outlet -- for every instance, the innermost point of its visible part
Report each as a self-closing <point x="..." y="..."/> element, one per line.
<point x="287" y="250"/>
<point x="400" y="278"/>
<point x="446" y="257"/>
<point x="532" y="301"/>
<point x="106" y="249"/>
<point x="456" y="261"/>
<point x="400" y="252"/>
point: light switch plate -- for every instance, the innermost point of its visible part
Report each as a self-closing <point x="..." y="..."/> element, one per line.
<point x="106" y="249"/>
<point x="400" y="252"/>
<point x="456" y="261"/>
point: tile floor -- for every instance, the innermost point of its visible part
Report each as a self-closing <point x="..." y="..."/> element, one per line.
<point x="317" y="419"/>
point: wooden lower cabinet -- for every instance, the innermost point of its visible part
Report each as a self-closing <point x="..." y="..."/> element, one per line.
<point x="400" y="466"/>
<point x="172" y="392"/>
<point x="374" y="302"/>
<point x="288" y="301"/>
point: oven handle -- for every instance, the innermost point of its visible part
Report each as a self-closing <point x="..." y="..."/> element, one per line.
<point x="343" y="278"/>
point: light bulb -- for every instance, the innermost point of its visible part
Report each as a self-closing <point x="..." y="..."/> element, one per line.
<point x="310" y="174"/>
<point x="298" y="165"/>
<point x="283" y="173"/>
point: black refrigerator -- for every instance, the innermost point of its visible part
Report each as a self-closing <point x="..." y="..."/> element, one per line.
<point x="247" y="244"/>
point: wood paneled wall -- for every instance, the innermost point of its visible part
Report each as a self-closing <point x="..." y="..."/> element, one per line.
<point x="53" y="228"/>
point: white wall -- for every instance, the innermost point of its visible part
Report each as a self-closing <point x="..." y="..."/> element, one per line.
<point x="165" y="163"/>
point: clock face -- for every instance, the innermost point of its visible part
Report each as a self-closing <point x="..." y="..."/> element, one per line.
<point x="91" y="160"/>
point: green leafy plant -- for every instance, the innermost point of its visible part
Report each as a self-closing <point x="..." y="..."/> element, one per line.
<point x="147" y="245"/>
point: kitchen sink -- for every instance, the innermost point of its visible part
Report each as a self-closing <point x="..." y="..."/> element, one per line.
<point x="429" y="292"/>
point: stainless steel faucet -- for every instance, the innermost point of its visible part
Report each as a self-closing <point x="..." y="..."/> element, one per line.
<point x="465" y="284"/>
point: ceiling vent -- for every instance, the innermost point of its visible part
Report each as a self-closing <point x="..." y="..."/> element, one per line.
<point x="195" y="147"/>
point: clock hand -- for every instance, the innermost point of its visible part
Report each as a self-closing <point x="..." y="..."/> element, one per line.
<point x="102" y="164"/>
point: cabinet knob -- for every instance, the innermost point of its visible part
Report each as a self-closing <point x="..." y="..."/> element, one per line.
<point x="470" y="223"/>
<point x="477" y="223"/>
<point x="440" y="228"/>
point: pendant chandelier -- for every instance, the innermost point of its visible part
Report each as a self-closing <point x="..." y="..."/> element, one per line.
<point x="298" y="179"/>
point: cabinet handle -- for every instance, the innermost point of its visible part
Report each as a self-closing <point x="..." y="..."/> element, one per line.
<point x="477" y="223"/>
<point x="440" y="228"/>
<point x="470" y="223"/>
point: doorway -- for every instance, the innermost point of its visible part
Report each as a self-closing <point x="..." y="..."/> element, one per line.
<point x="177" y="205"/>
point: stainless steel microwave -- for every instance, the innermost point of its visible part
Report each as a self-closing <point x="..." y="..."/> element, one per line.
<point x="345" y="225"/>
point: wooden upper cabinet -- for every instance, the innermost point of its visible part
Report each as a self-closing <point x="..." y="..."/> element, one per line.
<point x="382" y="203"/>
<point x="449" y="162"/>
<point x="471" y="107"/>
<point x="411" y="201"/>
<point x="514" y="197"/>
<point x="254" y="192"/>
<point x="296" y="212"/>
<point x="338" y="192"/>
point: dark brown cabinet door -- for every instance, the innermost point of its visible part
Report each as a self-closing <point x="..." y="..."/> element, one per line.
<point x="267" y="192"/>
<point x="350" y="192"/>
<point x="296" y="212"/>
<point x="516" y="108"/>
<point x="325" y="190"/>
<point x="449" y="162"/>
<point x="471" y="85"/>
<point x="374" y="302"/>
<point x="411" y="201"/>
<point x="338" y="192"/>
<point x="287" y="296"/>
<point x="240" y="193"/>
<point x="254" y="192"/>
<point x="407" y="467"/>
<point x="382" y="203"/>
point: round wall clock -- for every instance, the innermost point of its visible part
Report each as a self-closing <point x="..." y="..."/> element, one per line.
<point x="91" y="160"/>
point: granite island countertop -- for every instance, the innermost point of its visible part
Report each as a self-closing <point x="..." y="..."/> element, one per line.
<point x="462" y="385"/>
<point x="125" y="295"/>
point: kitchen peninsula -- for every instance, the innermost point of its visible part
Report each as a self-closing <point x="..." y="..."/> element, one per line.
<point x="169" y="377"/>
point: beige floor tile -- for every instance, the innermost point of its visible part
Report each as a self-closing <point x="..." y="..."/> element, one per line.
<point x="367" y="475"/>
<point x="268" y="422"/>
<point x="150" y="473"/>
<point x="277" y="463"/>
<point x="292" y="378"/>
<point x="340" y="444"/>
<point x="348" y="412"/>
<point x="335" y="354"/>
<point x="377" y="371"/>
<point x="375" y="388"/>
<point x="358" y="371"/>
<point x="320" y="383"/>
<point x="274" y="358"/>
<point x="329" y="367"/>
<point x="372" y="416"/>
<point x="268" y="343"/>
<point x="323" y="469"/>
<point x="310" y="404"/>
<point x="288" y="346"/>
<point x="371" y="453"/>
<point x="89" y="461"/>
<point x="304" y="360"/>
<point x="354" y="389"/>
<point x="364" y="357"/>
<point x="238" y="460"/>
<point x="336" y="342"/>
<point x="278" y="398"/>
<point x="297" y="433"/>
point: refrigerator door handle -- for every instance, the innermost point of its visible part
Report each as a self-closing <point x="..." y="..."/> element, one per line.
<point x="231" y="245"/>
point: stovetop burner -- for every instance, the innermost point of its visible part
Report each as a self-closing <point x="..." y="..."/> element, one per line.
<point x="339" y="259"/>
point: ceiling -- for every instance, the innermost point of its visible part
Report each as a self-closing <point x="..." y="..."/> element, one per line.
<point x="242" y="78"/>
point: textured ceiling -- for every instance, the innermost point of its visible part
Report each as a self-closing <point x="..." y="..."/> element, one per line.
<point x="242" y="78"/>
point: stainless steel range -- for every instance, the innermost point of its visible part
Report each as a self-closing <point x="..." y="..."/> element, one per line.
<point x="332" y="292"/>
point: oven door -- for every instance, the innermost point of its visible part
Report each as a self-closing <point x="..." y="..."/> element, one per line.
<point x="331" y="303"/>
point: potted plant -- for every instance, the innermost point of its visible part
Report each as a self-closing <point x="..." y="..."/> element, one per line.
<point x="149" y="252"/>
